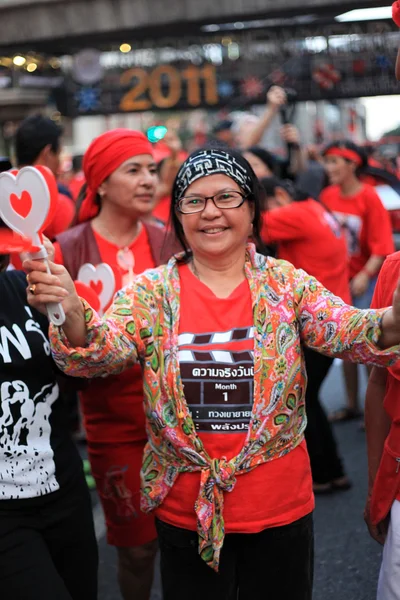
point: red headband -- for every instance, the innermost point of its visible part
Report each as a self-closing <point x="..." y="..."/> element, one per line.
<point x="345" y="153"/>
<point x="396" y="13"/>
<point x="105" y="154"/>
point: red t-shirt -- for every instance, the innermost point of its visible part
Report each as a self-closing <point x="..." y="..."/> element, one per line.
<point x="216" y="362"/>
<point x="383" y="296"/>
<point x="113" y="407"/>
<point x="309" y="237"/>
<point x="366" y="221"/>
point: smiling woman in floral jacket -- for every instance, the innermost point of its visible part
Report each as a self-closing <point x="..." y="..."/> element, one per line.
<point x="218" y="332"/>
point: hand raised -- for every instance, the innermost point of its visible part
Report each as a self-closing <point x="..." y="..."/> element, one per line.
<point x="45" y="288"/>
<point x="276" y="97"/>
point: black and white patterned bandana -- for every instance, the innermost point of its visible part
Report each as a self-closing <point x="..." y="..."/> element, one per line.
<point x="210" y="162"/>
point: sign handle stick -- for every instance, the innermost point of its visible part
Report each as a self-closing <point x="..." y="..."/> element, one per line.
<point x="55" y="311"/>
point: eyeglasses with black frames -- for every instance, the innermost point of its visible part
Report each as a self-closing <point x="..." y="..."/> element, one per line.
<point x="189" y="205"/>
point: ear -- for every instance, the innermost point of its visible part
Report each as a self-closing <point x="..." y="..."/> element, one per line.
<point x="43" y="156"/>
<point x="102" y="189"/>
<point x="252" y="211"/>
<point x="353" y="166"/>
<point x="282" y="197"/>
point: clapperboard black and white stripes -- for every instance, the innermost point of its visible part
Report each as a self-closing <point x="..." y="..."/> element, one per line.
<point x="218" y="378"/>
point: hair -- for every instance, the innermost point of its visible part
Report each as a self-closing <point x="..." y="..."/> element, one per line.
<point x="34" y="134"/>
<point x="5" y="164"/>
<point x="349" y="145"/>
<point x="255" y="197"/>
<point x="270" y="184"/>
<point x="79" y="201"/>
<point x="225" y="125"/>
<point x="77" y="163"/>
<point x="265" y="156"/>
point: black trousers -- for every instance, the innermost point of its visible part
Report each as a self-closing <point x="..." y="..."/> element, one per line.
<point x="276" y="564"/>
<point x="49" y="553"/>
<point x="326" y="464"/>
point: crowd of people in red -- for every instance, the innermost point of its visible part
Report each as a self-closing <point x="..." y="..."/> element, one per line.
<point x="125" y="212"/>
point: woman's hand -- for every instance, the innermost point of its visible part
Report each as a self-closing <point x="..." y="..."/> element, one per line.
<point x="377" y="532"/>
<point x="276" y="98"/>
<point x="58" y="287"/>
<point x="359" y="284"/>
<point x="290" y="134"/>
<point x="44" y="288"/>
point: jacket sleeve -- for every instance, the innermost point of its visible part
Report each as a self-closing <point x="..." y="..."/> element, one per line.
<point x="113" y="342"/>
<point x="331" y="327"/>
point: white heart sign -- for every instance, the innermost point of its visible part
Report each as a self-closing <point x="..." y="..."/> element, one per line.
<point x="24" y="202"/>
<point x="102" y="281"/>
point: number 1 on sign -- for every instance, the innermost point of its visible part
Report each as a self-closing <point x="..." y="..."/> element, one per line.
<point x="194" y="76"/>
<point x="225" y="395"/>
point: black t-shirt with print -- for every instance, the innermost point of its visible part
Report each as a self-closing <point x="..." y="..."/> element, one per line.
<point x="37" y="454"/>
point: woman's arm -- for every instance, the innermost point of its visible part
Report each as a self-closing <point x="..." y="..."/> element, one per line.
<point x="377" y="421"/>
<point x="111" y="343"/>
<point x="86" y="345"/>
<point x="359" y="283"/>
<point x="276" y="98"/>
<point x="331" y="327"/>
<point x="56" y="287"/>
<point x="377" y="424"/>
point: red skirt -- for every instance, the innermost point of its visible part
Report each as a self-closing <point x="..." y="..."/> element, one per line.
<point x="116" y="469"/>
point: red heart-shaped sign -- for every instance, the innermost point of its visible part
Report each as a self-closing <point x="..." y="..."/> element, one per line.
<point x="85" y="292"/>
<point x="97" y="286"/>
<point x="11" y="242"/>
<point x="21" y="204"/>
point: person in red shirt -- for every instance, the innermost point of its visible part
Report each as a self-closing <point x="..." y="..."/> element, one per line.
<point x="308" y="236"/>
<point x="38" y="142"/>
<point x="382" y="419"/>
<point x="360" y="211"/>
<point x="168" y="166"/>
<point x="78" y="179"/>
<point x="121" y="178"/>
<point x="204" y="378"/>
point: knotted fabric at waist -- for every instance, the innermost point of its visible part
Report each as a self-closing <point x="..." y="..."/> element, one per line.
<point x="218" y="478"/>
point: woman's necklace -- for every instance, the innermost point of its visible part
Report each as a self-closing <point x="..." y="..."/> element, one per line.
<point x="126" y="262"/>
<point x="115" y="239"/>
<point x="124" y="256"/>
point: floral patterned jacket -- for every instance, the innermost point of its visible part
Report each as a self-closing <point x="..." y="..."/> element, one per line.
<point x="290" y="308"/>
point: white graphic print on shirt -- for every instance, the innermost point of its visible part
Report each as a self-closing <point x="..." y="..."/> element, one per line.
<point x="218" y="379"/>
<point x="352" y="225"/>
<point x="27" y="467"/>
<point x="27" y="457"/>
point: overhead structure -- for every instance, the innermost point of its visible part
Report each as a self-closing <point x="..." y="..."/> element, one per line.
<point x="57" y="25"/>
<point x="88" y="57"/>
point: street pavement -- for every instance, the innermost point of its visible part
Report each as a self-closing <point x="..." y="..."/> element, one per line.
<point x="347" y="560"/>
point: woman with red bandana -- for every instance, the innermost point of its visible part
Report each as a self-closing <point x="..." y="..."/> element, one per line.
<point x="369" y="238"/>
<point x="121" y="178"/>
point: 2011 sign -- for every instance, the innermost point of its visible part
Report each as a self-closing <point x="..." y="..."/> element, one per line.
<point x="166" y="87"/>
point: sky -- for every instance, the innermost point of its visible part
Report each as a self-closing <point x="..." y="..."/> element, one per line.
<point x="383" y="114"/>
